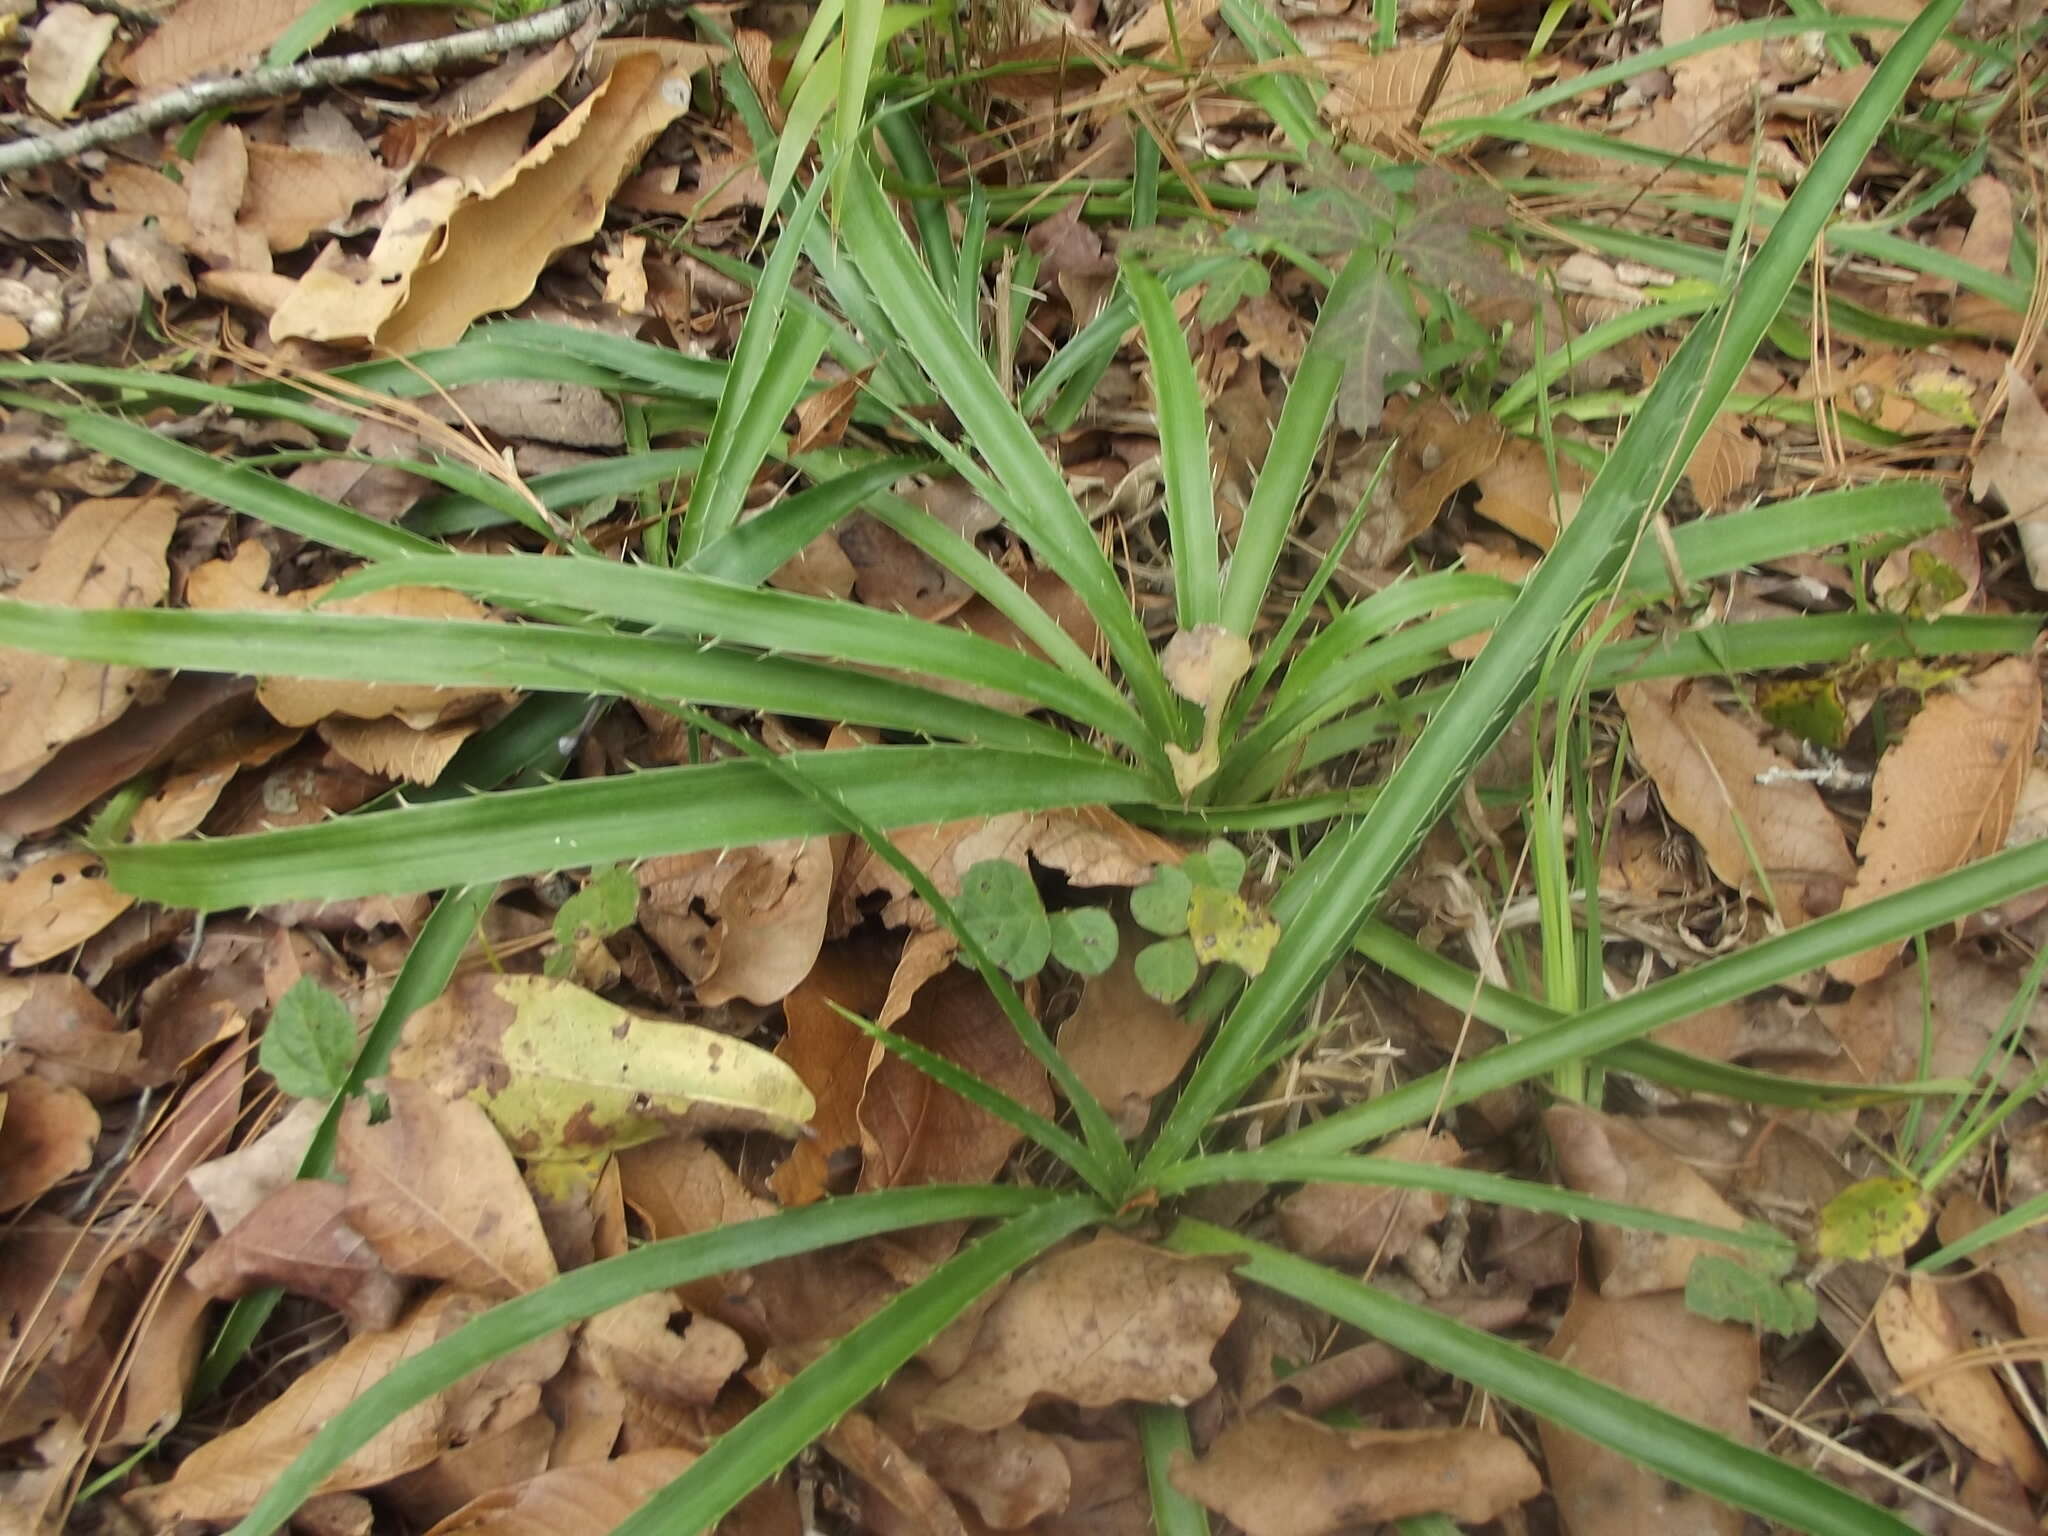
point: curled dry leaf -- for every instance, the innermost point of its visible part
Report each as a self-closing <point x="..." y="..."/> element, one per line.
<point x="105" y="554"/>
<point x="593" y="1497"/>
<point x="1946" y="792"/>
<point x="47" y="1132"/>
<point x="1605" y="1156"/>
<point x="300" y="1238"/>
<point x="563" y="1073"/>
<point x="1281" y="1474"/>
<point x="1653" y="1348"/>
<point x="1921" y="1338"/>
<point x="831" y="1054"/>
<point x="744" y="922"/>
<point x="1706" y="765"/>
<point x="222" y="1479"/>
<point x="1356" y="1223"/>
<point x="1109" y="1321"/>
<point x="436" y="1193"/>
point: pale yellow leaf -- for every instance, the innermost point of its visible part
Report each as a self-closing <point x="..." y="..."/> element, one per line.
<point x="63" y="55"/>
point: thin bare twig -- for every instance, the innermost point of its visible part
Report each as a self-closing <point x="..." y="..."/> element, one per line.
<point x="407" y="58"/>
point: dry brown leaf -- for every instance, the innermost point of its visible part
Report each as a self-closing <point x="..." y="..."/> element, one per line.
<point x="1439" y="454"/>
<point x="105" y="554"/>
<point x="1122" y="1042"/>
<point x="222" y="1479"/>
<point x="1282" y="1474"/>
<point x="204" y="37"/>
<point x="494" y="246"/>
<point x="1652" y="1348"/>
<point x="1921" y="1337"/>
<point x="1945" y="793"/>
<point x="63" y="56"/>
<point x="341" y="297"/>
<point x="299" y="1238"/>
<point x="2019" y="1262"/>
<point x="392" y="749"/>
<point x="1705" y="765"/>
<point x="2014" y="471"/>
<point x="1606" y="1156"/>
<point x="1109" y="1321"/>
<point x="53" y="1026"/>
<point x="679" y="1186"/>
<point x="574" y="1498"/>
<point x="663" y="1376"/>
<point x="744" y="922"/>
<point x="436" y="1192"/>
<point x="515" y="1445"/>
<point x="55" y="904"/>
<point x="1724" y="463"/>
<point x="232" y="1186"/>
<point x="915" y="1132"/>
<point x="47" y="1133"/>
<point x="1011" y="1475"/>
<point x="1376" y="95"/>
<point x="831" y="1055"/>
<point x="293" y="194"/>
<point x="1354" y="1223"/>
<point x="27" y="1493"/>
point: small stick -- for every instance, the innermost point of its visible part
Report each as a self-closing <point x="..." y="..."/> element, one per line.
<point x="406" y="58"/>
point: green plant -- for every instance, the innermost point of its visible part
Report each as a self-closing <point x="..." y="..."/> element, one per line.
<point x="699" y="626"/>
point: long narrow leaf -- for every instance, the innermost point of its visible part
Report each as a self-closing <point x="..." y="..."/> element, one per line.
<point x="1676" y="1448"/>
<point x="634" y="816"/>
<point x="585" y="1292"/>
<point x="754" y="551"/>
<point x="1183" y="454"/>
<point x="1350" y="872"/>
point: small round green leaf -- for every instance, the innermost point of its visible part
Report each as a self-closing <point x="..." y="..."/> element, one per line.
<point x="1219" y="865"/>
<point x="310" y="1042"/>
<point x="998" y="905"/>
<point x="1084" y="940"/>
<point x="1160" y="905"/>
<point x="1166" y="970"/>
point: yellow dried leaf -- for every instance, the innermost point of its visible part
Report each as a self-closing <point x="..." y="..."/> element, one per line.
<point x="1873" y="1219"/>
<point x="1224" y="927"/>
<point x="564" y="1074"/>
<point x="1920" y="1338"/>
<point x="63" y="55"/>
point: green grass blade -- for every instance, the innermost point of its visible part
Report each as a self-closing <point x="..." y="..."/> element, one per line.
<point x="1273" y="1167"/>
<point x="135" y="387"/>
<point x="1184" y="456"/>
<point x="1673" y="1447"/>
<point x="561" y="660"/>
<point x="1287" y="98"/>
<point x="1163" y="1432"/>
<point x="860" y="41"/>
<point x="660" y="371"/>
<point x="585" y="1292"/>
<point x="1311" y="396"/>
<point x="243" y="490"/>
<point x="2021" y="1217"/>
<point x="561" y="490"/>
<point x="578" y="823"/>
<point x="1037" y="497"/>
<point x="1514" y="1014"/>
<point x="762" y="545"/>
<point x="768" y="1438"/>
<point x="680" y="601"/>
<point x="1726" y="979"/>
<point x="1350" y="871"/>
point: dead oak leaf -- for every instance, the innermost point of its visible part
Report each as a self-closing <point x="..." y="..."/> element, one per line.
<point x="1777" y="838"/>
<point x="436" y="1192"/>
<point x="1110" y="1321"/>
<point x="744" y="922"/>
<point x="1283" y="1474"/>
<point x="831" y="1054"/>
<point x="1124" y="1044"/>
<point x="105" y="554"/>
<point x="1945" y="793"/>
<point x="47" y="1132"/>
<point x="300" y="1238"/>
<point x="1355" y="1222"/>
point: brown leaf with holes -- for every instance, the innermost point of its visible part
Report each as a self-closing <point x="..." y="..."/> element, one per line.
<point x="1109" y="1321"/>
<point x="1282" y="1474"/>
<point x="300" y="1238"/>
<point x="56" y="904"/>
<point x="1653" y="1348"/>
<point x="1359" y="1223"/>
<point x="436" y="1192"/>
<point x="663" y="1373"/>
<point x="1705" y="765"/>
<point x="223" y="1478"/>
<point x="105" y="554"/>
<point x="740" y="922"/>
<point x="47" y="1132"/>
<point x="1606" y="1156"/>
<point x="1922" y="1339"/>
<point x="1945" y="793"/>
